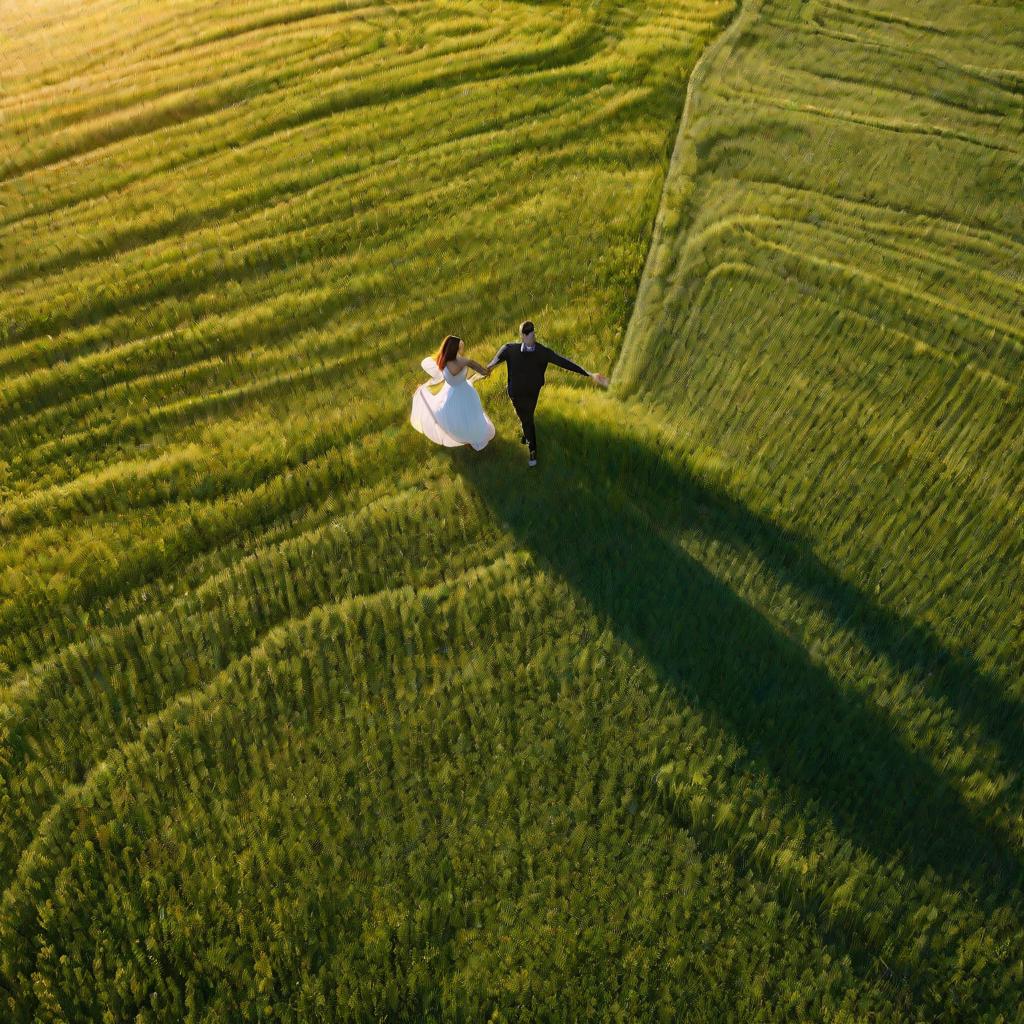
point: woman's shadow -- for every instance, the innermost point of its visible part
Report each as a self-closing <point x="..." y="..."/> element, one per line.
<point x="600" y="513"/>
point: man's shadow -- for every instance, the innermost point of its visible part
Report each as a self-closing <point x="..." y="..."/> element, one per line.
<point x="600" y="511"/>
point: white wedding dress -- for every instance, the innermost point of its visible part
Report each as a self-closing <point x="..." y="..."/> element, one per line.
<point x="453" y="416"/>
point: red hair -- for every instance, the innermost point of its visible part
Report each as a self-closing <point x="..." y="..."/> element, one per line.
<point x="449" y="350"/>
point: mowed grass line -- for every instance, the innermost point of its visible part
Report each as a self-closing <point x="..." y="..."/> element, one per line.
<point x="832" y="305"/>
<point x="883" y="267"/>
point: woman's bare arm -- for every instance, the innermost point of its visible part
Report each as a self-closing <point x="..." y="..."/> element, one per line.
<point x="462" y="361"/>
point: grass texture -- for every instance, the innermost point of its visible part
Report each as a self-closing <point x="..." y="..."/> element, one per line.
<point x="716" y="715"/>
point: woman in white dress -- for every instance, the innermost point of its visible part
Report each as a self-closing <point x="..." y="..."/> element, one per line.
<point x="454" y="415"/>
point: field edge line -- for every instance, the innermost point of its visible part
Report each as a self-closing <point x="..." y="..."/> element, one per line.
<point x="744" y="12"/>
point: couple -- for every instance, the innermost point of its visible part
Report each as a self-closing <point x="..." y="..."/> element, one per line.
<point x="455" y="415"/>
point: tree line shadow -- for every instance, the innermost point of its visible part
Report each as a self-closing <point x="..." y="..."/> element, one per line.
<point x="599" y="512"/>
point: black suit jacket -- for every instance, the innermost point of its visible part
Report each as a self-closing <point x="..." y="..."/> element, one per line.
<point x="526" y="369"/>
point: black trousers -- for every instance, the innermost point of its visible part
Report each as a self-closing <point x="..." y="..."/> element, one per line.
<point x="524" y="405"/>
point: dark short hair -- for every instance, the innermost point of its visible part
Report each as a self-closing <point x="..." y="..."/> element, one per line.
<point x="526" y="327"/>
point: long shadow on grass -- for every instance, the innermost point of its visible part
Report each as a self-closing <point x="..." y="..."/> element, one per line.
<point x="598" y="513"/>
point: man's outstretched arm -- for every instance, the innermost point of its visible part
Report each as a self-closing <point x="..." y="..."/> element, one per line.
<point x="568" y="364"/>
<point x="499" y="357"/>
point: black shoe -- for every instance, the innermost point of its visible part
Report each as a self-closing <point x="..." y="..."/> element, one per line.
<point x="533" y="459"/>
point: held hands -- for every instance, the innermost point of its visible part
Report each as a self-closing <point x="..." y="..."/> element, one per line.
<point x="599" y="378"/>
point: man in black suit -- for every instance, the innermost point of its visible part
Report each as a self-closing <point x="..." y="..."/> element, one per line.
<point x="527" y="360"/>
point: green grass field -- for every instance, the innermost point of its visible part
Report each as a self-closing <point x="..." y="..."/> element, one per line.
<point x="716" y="715"/>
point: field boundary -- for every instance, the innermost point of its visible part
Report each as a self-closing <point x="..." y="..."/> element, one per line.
<point x="744" y="12"/>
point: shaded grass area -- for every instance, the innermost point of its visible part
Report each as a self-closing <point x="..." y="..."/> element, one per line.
<point x="602" y="514"/>
<point x="832" y="306"/>
<point x="606" y="512"/>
